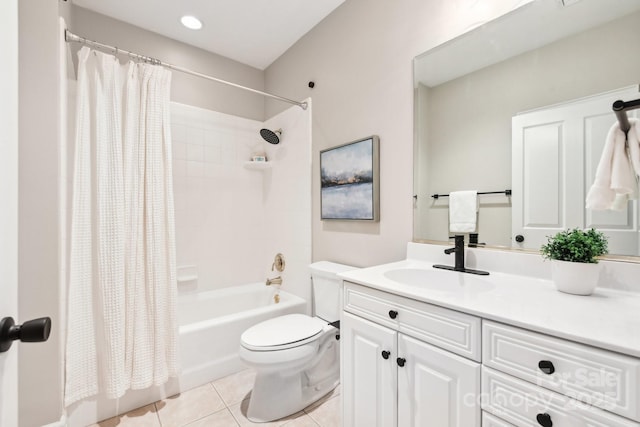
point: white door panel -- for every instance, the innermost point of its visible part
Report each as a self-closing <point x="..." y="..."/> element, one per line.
<point x="436" y="388"/>
<point x="369" y="379"/>
<point x="9" y="205"/>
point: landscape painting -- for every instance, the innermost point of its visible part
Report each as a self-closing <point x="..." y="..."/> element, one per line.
<point x="349" y="181"/>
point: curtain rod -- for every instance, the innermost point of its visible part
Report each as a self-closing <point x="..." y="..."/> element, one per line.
<point x="70" y="37"/>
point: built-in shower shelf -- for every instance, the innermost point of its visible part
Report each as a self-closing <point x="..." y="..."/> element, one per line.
<point x="257" y="165"/>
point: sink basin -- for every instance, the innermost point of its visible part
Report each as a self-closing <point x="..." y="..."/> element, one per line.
<point x="439" y="280"/>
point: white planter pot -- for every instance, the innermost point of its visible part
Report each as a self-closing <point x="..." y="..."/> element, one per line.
<point x="576" y="278"/>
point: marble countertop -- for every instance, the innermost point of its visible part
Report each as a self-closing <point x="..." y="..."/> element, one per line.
<point x="609" y="318"/>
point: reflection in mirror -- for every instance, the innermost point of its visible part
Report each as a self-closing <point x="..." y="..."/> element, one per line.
<point x="539" y="60"/>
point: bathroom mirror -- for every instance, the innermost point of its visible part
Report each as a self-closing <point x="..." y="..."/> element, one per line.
<point x="540" y="57"/>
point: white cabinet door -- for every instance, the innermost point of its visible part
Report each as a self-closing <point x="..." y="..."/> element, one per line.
<point x="555" y="154"/>
<point x="369" y="377"/>
<point x="9" y="207"/>
<point x="435" y="387"/>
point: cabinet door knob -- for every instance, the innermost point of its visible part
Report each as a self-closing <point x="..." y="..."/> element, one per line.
<point x="401" y="361"/>
<point x="544" y="420"/>
<point x="393" y="314"/>
<point x="385" y="354"/>
<point x="546" y="366"/>
<point x="519" y="238"/>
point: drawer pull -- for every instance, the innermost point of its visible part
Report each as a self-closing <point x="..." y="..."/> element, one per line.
<point x="385" y="354"/>
<point x="544" y="420"/>
<point x="401" y="361"/>
<point x="393" y="314"/>
<point x="546" y="366"/>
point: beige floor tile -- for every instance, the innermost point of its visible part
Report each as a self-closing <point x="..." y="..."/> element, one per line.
<point x="219" y="419"/>
<point x="328" y="414"/>
<point x="141" y="417"/>
<point x="235" y="388"/>
<point x="333" y="393"/>
<point x="303" y="421"/>
<point x="239" y="411"/>
<point x="189" y="406"/>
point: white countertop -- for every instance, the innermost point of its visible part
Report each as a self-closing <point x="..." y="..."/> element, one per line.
<point x="608" y="319"/>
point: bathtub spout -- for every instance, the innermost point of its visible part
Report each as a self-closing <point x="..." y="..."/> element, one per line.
<point x="274" y="281"/>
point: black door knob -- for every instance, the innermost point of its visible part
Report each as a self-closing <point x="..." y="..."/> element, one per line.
<point x="401" y="361"/>
<point x="546" y="366"/>
<point x="385" y="354"/>
<point x="393" y="314"/>
<point x="544" y="420"/>
<point x="36" y="330"/>
<point x="519" y="238"/>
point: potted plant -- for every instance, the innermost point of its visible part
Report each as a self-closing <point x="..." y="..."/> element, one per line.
<point x="574" y="253"/>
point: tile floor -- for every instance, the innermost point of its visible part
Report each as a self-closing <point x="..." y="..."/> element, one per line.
<point x="223" y="403"/>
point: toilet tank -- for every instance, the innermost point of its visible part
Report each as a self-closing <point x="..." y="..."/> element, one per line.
<point x="327" y="289"/>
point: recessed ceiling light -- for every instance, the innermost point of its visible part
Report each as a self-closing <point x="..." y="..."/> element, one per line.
<point x="191" y="22"/>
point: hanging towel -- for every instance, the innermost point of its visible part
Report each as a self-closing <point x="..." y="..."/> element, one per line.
<point x="615" y="180"/>
<point x="463" y="208"/>
<point x="633" y="141"/>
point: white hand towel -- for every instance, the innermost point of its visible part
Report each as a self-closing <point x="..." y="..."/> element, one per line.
<point x="615" y="180"/>
<point x="463" y="208"/>
<point x="633" y="141"/>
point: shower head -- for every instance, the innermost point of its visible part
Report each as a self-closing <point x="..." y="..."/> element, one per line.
<point x="272" y="137"/>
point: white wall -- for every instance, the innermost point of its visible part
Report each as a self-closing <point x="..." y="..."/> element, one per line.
<point x="360" y="58"/>
<point x="185" y="89"/>
<point x="287" y="200"/>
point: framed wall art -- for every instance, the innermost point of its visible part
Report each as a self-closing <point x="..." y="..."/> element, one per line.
<point x="349" y="181"/>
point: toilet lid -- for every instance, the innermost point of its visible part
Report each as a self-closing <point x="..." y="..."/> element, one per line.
<point x="282" y="330"/>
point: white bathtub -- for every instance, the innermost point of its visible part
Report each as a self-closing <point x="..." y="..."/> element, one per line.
<point x="211" y="324"/>
<point x="209" y="337"/>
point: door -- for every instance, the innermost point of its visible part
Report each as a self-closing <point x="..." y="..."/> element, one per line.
<point x="555" y="154"/>
<point x="9" y="205"/>
<point x="435" y="387"/>
<point x="368" y="374"/>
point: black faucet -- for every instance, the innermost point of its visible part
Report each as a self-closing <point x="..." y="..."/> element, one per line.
<point x="459" y="264"/>
<point x="459" y="250"/>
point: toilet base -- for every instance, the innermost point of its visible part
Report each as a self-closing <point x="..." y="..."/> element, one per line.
<point x="277" y="395"/>
<point x="265" y="405"/>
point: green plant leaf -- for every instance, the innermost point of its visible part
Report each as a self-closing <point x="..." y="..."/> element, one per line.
<point x="576" y="246"/>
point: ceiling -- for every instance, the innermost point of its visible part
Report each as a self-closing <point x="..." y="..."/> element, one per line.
<point x="254" y="32"/>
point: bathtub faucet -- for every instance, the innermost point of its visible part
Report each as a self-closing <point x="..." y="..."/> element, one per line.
<point x="274" y="281"/>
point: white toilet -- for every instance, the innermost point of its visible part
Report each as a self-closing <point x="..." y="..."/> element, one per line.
<point x="296" y="357"/>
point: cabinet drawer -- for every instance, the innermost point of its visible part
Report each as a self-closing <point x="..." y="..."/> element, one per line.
<point x="489" y="420"/>
<point x="521" y="403"/>
<point x="447" y="329"/>
<point x="597" y="377"/>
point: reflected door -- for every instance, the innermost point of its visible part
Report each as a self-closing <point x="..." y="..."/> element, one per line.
<point x="555" y="153"/>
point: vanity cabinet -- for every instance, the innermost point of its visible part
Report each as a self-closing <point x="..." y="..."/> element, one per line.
<point x="531" y="379"/>
<point x="394" y="375"/>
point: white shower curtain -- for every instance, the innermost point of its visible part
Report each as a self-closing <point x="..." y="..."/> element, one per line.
<point x="121" y="321"/>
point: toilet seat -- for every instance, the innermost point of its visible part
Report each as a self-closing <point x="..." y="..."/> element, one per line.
<point x="284" y="332"/>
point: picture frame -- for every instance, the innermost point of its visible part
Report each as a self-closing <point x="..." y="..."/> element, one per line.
<point x="350" y="181"/>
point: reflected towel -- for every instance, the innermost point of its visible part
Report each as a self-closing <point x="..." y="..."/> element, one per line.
<point x="463" y="208"/>
<point x="615" y="180"/>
